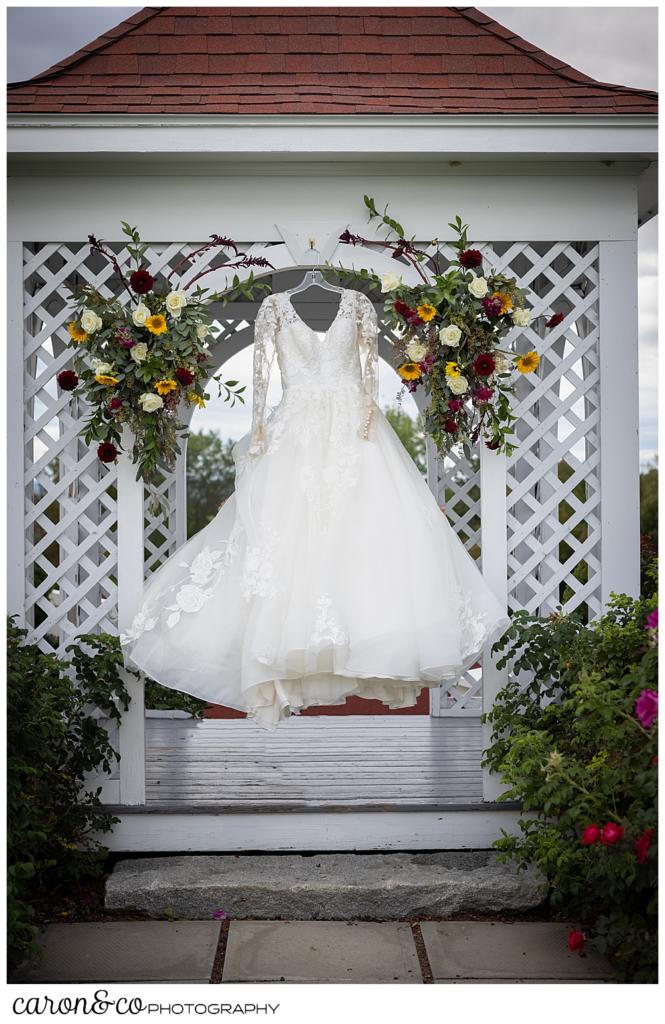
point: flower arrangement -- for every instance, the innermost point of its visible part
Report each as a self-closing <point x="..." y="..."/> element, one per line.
<point x="450" y="330"/>
<point x="139" y="360"/>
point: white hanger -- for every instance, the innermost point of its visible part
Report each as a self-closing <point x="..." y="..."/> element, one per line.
<point x="314" y="277"/>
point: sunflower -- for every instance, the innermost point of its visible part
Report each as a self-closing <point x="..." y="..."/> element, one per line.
<point x="104" y="378"/>
<point x="426" y="312"/>
<point x="76" y="332"/>
<point x="505" y="300"/>
<point x="409" y="371"/>
<point x="195" y="399"/>
<point x="528" y="362"/>
<point x="156" y="324"/>
<point x="163" y="387"/>
<point x="453" y="370"/>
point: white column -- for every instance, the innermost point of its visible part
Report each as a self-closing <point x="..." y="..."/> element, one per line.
<point x="494" y="554"/>
<point x="619" y="420"/>
<point x="131" y="735"/>
<point x="16" y="434"/>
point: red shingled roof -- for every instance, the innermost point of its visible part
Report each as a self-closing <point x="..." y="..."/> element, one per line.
<point x="318" y="60"/>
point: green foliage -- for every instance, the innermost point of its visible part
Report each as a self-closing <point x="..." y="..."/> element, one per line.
<point x="52" y="743"/>
<point x="410" y="433"/>
<point x="568" y="744"/>
<point x="649" y="504"/>
<point x="210" y="477"/>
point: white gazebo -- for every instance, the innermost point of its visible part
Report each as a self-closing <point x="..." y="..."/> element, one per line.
<point x="270" y="128"/>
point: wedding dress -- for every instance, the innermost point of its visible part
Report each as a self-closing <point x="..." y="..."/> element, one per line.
<point x="330" y="570"/>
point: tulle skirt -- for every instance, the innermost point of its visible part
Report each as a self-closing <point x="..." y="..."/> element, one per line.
<point x="330" y="571"/>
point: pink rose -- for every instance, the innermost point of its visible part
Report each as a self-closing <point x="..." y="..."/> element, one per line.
<point x="611" y="833"/>
<point x="646" y="708"/>
<point x="590" y="835"/>
<point x="576" y="941"/>
<point x="642" y="844"/>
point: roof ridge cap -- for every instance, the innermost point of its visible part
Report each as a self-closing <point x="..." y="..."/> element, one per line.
<point x="469" y="12"/>
<point x="67" y="63"/>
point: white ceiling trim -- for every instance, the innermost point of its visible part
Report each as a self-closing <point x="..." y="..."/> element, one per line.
<point x="277" y="135"/>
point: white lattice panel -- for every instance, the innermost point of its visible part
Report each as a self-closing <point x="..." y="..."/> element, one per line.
<point x="553" y="477"/>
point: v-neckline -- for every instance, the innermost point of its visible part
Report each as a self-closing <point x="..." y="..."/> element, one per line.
<point x="300" y="319"/>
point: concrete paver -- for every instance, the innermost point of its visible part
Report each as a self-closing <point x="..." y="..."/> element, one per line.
<point x="130" y="951"/>
<point x="524" y="951"/>
<point x="362" y="952"/>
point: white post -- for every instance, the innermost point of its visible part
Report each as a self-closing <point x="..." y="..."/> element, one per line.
<point x="131" y="734"/>
<point x="619" y="420"/>
<point x="16" y="434"/>
<point x="494" y="554"/>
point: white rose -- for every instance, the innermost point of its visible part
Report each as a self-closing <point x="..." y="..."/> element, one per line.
<point x="450" y="335"/>
<point x="479" y="287"/>
<point x="101" y="367"/>
<point x="201" y="331"/>
<point x="175" y="303"/>
<point x="521" y="317"/>
<point x="139" y="352"/>
<point x="141" y="314"/>
<point x="390" y="281"/>
<point x="150" y="402"/>
<point x="416" y="352"/>
<point x="90" y="321"/>
<point x="458" y="385"/>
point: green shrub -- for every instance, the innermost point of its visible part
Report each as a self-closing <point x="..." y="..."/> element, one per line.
<point x="52" y="742"/>
<point x="570" y="746"/>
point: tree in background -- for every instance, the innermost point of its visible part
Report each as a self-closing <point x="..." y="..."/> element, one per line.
<point x="210" y="477"/>
<point x="649" y="502"/>
<point x="410" y="433"/>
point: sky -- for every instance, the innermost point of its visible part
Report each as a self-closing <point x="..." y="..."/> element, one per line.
<point x="612" y="44"/>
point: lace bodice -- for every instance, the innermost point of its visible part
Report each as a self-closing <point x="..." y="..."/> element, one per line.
<point x="345" y="359"/>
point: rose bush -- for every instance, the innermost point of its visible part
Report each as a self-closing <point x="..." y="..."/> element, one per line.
<point x="574" y="737"/>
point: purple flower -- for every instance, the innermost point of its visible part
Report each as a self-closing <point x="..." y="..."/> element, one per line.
<point x="652" y="619"/>
<point x="219" y="915"/>
<point x="646" y="708"/>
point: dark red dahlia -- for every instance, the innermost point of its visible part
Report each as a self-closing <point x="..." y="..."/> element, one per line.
<point x="184" y="376"/>
<point x="492" y="445"/>
<point x="455" y="404"/>
<point x="115" y="403"/>
<point x="484" y="364"/>
<point x="483" y="394"/>
<point x="491" y="306"/>
<point x="555" y="319"/>
<point x="67" y="380"/>
<point x="402" y="308"/>
<point x="470" y="258"/>
<point x="141" y="281"/>
<point x="107" y="452"/>
<point x="450" y="427"/>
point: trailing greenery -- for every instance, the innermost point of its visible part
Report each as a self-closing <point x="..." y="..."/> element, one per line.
<point x="573" y="744"/>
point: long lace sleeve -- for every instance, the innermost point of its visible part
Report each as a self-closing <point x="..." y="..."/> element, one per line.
<point x="265" y="328"/>
<point x="368" y="343"/>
